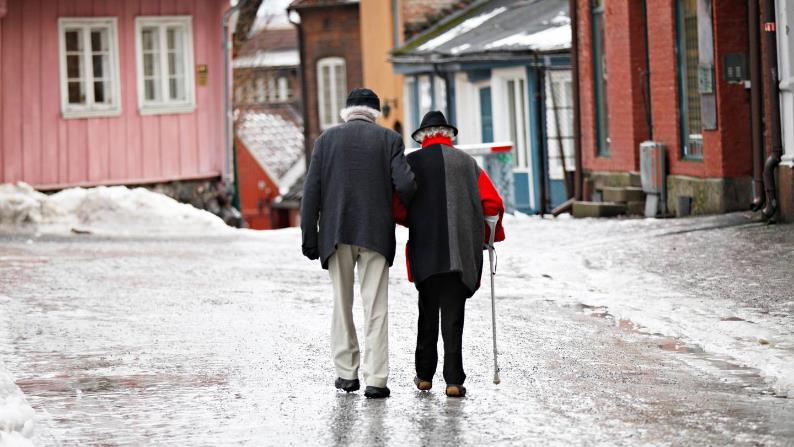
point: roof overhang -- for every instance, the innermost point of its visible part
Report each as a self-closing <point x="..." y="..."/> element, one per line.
<point x="411" y="64"/>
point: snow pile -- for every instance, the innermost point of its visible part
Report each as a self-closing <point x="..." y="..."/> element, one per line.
<point x="16" y="416"/>
<point x="115" y="210"/>
<point x="556" y="38"/>
<point x="462" y="28"/>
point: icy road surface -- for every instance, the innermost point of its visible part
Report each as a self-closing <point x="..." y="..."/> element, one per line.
<point x="611" y="333"/>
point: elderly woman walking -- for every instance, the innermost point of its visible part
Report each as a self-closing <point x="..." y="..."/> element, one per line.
<point x="446" y="222"/>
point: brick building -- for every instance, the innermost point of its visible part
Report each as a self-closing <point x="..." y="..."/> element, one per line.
<point x="673" y="72"/>
<point x="330" y="46"/>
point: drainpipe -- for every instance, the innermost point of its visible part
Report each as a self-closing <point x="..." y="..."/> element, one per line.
<point x="774" y="105"/>
<point x="227" y="104"/>
<point x="577" y="140"/>
<point x="304" y="96"/>
<point x="647" y="75"/>
<point x="756" y="104"/>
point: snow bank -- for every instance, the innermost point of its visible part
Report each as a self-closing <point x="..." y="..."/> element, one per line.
<point x="115" y="210"/>
<point x="16" y="416"/>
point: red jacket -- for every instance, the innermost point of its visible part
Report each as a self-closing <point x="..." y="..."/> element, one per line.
<point x="492" y="203"/>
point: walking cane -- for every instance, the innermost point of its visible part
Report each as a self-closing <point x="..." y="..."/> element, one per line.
<point x="492" y="221"/>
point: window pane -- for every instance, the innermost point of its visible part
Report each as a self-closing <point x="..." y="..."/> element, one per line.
<point x="149" y="38"/>
<point x="511" y="117"/>
<point x="76" y="95"/>
<point x="341" y="91"/>
<point x="325" y="82"/>
<point x="176" y="89"/>
<point x="283" y="89"/>
<point x="99" y="40"/>
<point x="174" y="37"/>
<point x="74" y="41"/>
<point x="151" y="90"/>
<point x="692" y="57"/>
<point x="99" y="92"/>
<point x="100" y="66"/>
<point x="151" y="65"/>
<point x="74" y="69"/>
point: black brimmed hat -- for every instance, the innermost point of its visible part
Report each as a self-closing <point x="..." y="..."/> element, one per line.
<point x="363" y="97"/>
<point x="434" y="118"/>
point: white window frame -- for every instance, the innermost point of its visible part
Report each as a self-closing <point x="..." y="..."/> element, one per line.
<point x="166" y="106"/>
<point x="332" y="63"/>
<point x="90" y="109"/>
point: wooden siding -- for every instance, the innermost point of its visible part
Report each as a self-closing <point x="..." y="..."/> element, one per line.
<point x="39" y="147"/>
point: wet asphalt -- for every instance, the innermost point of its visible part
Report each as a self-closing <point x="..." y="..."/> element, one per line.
<point x="223" y="340"/>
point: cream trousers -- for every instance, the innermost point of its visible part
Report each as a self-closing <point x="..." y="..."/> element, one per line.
<point x="373" y="273"/>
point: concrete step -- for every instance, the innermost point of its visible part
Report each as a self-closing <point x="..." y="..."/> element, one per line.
<point x="598" y="209"/>
<point x="635" y="208"/>
<point x="622" y="194"/>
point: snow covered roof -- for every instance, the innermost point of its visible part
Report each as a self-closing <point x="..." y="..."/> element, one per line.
<point x="499" y="26"/>
<point x="263" y="59"/>
<point x="274" y="136"/>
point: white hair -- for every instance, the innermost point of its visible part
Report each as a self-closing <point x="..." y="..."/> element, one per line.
<point x="434" y="132"/>
<point x="349" y="113"/>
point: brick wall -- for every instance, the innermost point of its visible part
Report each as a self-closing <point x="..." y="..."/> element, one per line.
<point x="331" y="31"/>
<point x="727" y="150"/>
<point x="625" y="55"/>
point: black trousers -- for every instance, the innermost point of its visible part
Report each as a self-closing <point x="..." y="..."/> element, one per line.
<point x="447" y="294"/>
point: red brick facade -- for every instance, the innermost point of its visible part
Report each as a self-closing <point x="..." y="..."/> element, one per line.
<point x="726" y="150"/>
<point x="331" y="30"/>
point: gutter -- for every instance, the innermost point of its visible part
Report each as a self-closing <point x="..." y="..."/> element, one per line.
<point x="774" y="105"/>
<point x="577" y="134"/>
<point x="228" y="176"/>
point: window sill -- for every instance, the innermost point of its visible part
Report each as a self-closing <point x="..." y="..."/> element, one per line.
<point x="167" y="109"/>
<point x="78" y="114"/>
<point x="692" y="159"/>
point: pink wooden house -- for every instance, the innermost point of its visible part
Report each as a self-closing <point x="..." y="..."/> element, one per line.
<point x="111" y="91"/>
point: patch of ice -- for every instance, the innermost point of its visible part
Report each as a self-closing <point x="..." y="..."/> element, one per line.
<point x="464" y="27"/>
<point x="115" y="210"/>
<point x="561" y="19"/>
<point x="556" y="38"/>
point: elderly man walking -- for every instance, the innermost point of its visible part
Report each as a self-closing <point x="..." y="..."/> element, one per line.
<point x="355" y="169"/>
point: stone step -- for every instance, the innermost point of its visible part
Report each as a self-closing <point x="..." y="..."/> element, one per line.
<point x="622" y="194"/>
<point x="635" y="208"/>
<point x="598" y="209"/>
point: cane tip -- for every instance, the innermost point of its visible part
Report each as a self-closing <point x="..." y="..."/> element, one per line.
<point x="496" y="381"/>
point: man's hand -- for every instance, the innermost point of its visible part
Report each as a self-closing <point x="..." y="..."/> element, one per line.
<point x="311" y="252"/>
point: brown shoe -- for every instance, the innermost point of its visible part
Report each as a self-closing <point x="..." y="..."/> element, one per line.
<point x="422" y="385"/>
<point x="456" y="390"/>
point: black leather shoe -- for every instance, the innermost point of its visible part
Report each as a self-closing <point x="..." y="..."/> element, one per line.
<point x="373" y="392"/>
<point x="347" y="385"/>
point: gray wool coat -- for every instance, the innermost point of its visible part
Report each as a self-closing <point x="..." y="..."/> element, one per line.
<point x="347" y="199"/>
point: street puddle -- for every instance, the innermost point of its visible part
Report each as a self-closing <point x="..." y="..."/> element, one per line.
<point x="113" y="384"/>
<point x="725" y="367"/>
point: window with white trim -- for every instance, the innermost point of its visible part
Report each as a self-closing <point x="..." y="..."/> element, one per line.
<point x="89" y="69"/>
<point x="331" y="90"/>
<point x="165" y="64"/>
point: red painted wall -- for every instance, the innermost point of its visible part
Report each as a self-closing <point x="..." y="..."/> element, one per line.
<point x="254" y="201"/>
<point x="726" y="149"/>
<point x="39" y="147"/>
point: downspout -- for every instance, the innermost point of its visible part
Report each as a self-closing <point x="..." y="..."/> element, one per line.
<point x="647" y="74"/>
<point x="756" y="104"/>
<point x="304" y="96"/>
<point x="577" y="135"/>
<point x="538" y="105"/>
<point x="774" y="105"/>
<point x="227" y="106"/>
